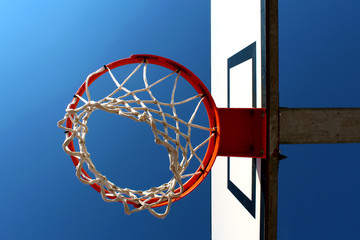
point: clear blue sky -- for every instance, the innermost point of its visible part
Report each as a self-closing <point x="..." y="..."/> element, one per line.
<point x="49" y="47"/>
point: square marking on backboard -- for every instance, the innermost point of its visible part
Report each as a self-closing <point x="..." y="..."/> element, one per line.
<point x="241" y="94"/>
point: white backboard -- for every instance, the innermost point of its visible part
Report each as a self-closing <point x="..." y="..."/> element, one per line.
<point x="237" y="81"/>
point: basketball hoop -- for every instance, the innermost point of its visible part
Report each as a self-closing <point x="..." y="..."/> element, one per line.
<point x="244" y="127"/>
<point x="75" y="120"/>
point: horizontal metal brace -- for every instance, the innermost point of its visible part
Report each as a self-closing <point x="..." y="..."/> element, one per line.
<point x="319" y="125"/>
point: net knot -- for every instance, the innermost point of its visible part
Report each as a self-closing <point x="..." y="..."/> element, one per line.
<point x="143" y="117"/>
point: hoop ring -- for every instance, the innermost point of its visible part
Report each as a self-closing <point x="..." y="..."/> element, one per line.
<point x="209" y="103"/>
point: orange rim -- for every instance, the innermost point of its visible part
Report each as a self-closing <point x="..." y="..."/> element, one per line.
<point x="213" y="144"/>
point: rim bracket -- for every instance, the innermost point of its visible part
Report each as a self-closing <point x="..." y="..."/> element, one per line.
<point x="242" y="132"/>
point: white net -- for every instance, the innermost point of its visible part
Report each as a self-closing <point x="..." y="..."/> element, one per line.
<point x="126" y="103"/>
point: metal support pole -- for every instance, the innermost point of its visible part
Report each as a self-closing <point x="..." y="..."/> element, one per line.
<point x="272" y="105"/>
